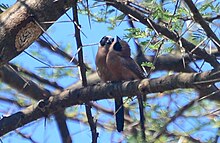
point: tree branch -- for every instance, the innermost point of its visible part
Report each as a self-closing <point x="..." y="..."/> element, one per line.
<point x="58" y="51"/>
<point x="32" y="90"/>
<point x="82" y="70"/>
<point x="106" y="91"/>
<point x="37" y="77"/>
<point x="22" y="23"/>
<point x="199" y="19"/>
<point x="189" y="47"/>
<point x="24" y="86"/>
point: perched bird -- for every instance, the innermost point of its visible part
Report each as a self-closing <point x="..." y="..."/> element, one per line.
<point x="106" y="75"/>
<point x="123" y="67"/>
<point x="100" y="61"/>
<point x="114" y="63"/>
<point x="120" y="63"/>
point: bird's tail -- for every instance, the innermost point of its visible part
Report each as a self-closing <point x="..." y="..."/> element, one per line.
<point x="142" y="118"/>
<point x="119" y="110"/>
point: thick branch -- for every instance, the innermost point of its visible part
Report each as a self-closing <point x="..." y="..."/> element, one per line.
<point x="105" y="91"/>
<point x="22" y="23"/>
<point x="24" y="86"/>
<point x="32" y="90"/>
<point x="62" y="125"/>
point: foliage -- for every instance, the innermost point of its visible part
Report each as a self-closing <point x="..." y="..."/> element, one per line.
<point x="3" y="7"/>
<point x="198" y="122"/>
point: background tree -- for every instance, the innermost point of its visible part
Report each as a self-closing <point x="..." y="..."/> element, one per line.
<point x="176" y="42"/>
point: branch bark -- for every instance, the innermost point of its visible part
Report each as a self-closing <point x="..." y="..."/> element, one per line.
<point x="32" y="90"/>
<point x="106" y="91"/>
<point x="22" y="24"/>
<point x="24" y="86"/>
<point x="82" y="70"/>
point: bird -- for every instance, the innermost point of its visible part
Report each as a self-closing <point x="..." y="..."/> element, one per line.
<point x="123" y="67"/>
<point x="120" y="63"/>
<point x="106" y="76"/>
<point x="100" y="60"/>
<point x="114" y="63"/>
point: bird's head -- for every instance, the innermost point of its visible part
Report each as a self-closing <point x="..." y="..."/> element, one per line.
<point x="120" y="46"/>
<point x="105" y="42"/>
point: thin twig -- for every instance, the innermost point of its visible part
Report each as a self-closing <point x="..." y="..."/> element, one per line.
<point x="173" y="118"/>
<point x="28" y="137"/>
<point x="140" y="98"/>
<point x="188" y="46"/>
<point x="82" y="71"/>
<point x="38" y="78"/>
<point x="199" y="19"/>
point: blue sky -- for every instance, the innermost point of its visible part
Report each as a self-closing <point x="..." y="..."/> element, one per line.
<point x="63" y="34"/>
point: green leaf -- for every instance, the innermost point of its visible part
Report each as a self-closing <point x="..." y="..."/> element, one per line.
<point x="148" y="64"/>
<point x="3" y="7"/>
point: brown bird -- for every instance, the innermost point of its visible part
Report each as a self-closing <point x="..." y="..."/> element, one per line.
<point x="120" y="63"/>
<point x="114" y="63"/>
<point x="106" y="75"/>
<point x="100" y="60"/>
<point x="123" y="67"/>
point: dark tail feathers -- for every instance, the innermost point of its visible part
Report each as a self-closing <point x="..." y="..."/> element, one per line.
<point x="119" y="110"/>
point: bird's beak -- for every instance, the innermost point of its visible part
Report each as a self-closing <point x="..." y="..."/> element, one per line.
<point x="117" y="39"/>
<point x="110" y="41"/>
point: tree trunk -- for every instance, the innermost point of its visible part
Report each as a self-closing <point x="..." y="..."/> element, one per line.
<point x="24" y="22"/>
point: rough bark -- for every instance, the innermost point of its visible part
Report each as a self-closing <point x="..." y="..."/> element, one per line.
<point x="23" y="23"/>
<point x="32" y="90"/>
<point x="106" y="91"/>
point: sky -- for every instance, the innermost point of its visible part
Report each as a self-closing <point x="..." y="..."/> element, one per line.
<point x="63" y="34"/>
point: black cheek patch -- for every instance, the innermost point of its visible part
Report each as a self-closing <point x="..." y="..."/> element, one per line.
<point x="103" y="41"/>
<point x="117" y="46"/>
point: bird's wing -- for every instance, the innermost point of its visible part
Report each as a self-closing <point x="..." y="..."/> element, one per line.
<point x="134" y="67"/>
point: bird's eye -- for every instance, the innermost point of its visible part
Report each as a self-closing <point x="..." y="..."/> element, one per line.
<point x="117" y="46"/>
<point x="110" y="41"/>
<point x="104" y="40"/>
